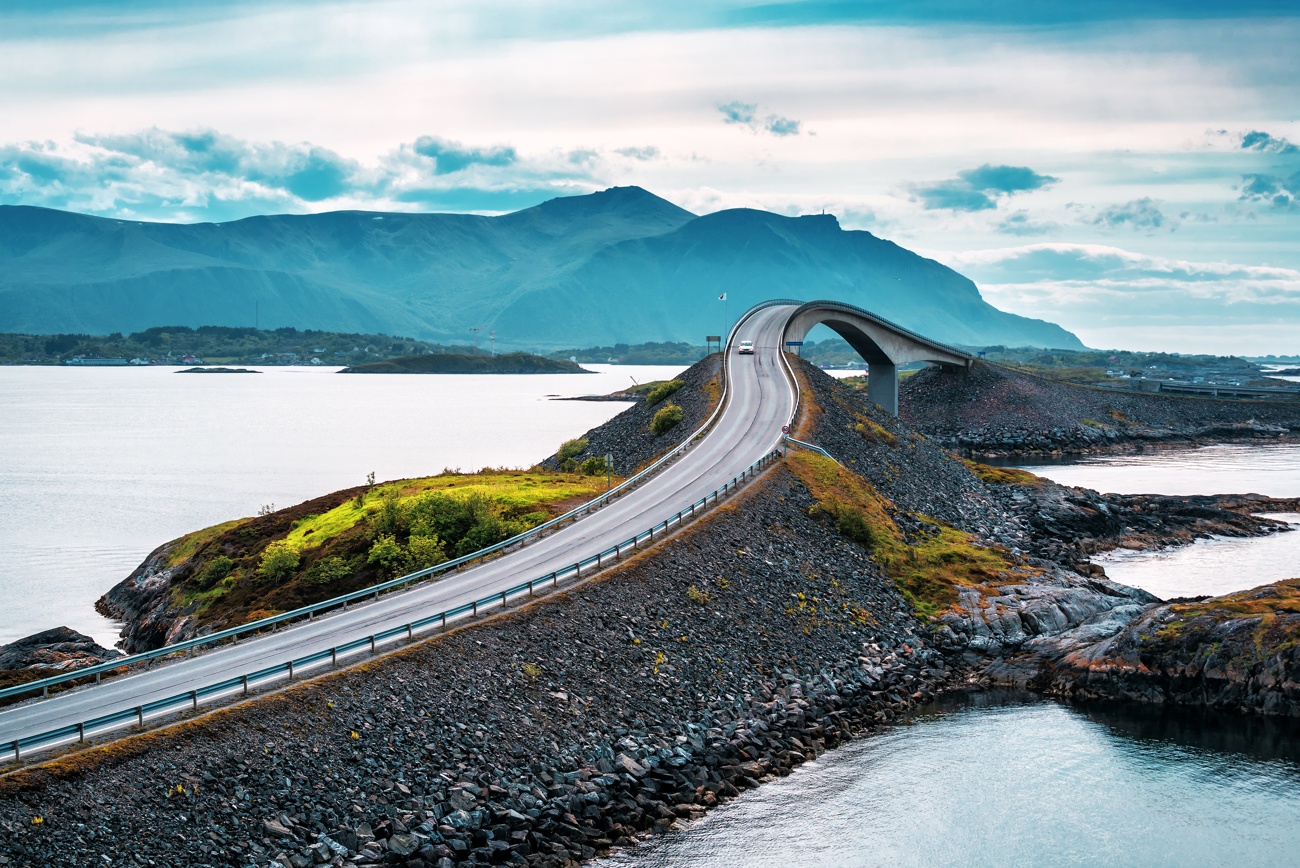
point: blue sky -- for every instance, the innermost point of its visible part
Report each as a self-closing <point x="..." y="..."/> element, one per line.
<point x="1128" y="169"/>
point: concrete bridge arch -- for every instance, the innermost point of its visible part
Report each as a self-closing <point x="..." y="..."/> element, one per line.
<point x="880" y="342"/>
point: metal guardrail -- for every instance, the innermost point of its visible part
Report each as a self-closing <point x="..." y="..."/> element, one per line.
<point x="78" y="732"/>
<point x="44" y="684"/>
<point x="139" y="713"/>
<point x="812" y="446"/>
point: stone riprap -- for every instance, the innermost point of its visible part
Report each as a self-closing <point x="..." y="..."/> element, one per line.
<point x="754" y="639"/>
<point x="993" y="410"/>
<point x="542" y="737"/>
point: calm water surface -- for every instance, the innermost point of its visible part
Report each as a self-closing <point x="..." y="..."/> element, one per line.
<point x="1213" y="566"/>
<point x="100" y="466"/>
<point x="1000" y="780"/>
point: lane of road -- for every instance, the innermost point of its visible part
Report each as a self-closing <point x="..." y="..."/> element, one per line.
<point x="760" y="401"/>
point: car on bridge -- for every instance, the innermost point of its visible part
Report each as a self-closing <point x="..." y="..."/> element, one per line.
<point x="746" y="348"/>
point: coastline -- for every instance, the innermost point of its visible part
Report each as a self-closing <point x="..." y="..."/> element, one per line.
<point x="593" y="717"/>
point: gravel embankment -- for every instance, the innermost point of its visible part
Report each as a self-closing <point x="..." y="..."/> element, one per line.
<point x="540" y="738"/>
<point x="991" y="410"/>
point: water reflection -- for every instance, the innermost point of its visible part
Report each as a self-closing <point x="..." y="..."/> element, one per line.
<point x="996" y="778"/>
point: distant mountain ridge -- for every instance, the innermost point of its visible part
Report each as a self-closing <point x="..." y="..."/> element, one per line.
<point x="619" y="266"/>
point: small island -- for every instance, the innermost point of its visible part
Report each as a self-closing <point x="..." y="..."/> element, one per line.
<point x="465" y="363"/>
<point x="218" y="371"/>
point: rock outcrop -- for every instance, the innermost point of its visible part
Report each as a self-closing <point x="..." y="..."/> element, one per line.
<point x="59" y="649"/>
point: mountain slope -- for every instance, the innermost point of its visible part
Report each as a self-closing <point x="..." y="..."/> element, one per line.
<point x="618" y="266"/>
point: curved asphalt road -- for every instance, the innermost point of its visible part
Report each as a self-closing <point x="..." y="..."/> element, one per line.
<point x="761" y="400"/>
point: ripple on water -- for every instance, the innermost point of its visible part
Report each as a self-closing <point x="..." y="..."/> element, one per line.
<point x="999" y="781"/>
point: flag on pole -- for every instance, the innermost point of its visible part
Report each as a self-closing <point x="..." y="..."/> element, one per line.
<point x="722" y="297"/>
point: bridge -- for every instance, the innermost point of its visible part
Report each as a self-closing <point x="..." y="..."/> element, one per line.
<point x="736" y="444"/>
<point x="882" y="344"/>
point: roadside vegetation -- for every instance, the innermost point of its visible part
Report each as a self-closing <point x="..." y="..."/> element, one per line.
<point x="928" y="564"/>
<point x="666" y="419"/>
<point x="252" y="567"/>
<point x="1002" y="475"/>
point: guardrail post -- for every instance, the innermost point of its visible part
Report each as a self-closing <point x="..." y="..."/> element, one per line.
<point x="194" y="696"/>
<point x="81" y="732"/>
<point x="444" y="619"/>
<point x="139" y="711"/>
<point x="410" y="632"/>
<point x="98" y="675"/>
<point x="290" y="670"/>
<point x="372" y="643"/>
<point x="577" y="570"/>
<point x="475" y="605"/>
<point x="244" y="680"/>
<point x="334" y="656"/>
<point x="45" y="692"/>
<point x="503" y="599"/>
<point x="555" y="579"/>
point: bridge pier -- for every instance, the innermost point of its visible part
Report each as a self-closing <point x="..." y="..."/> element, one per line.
<point x="882" y="385"/>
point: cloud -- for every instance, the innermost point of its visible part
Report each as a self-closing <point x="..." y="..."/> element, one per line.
<point x="746" y="114"/>
<point x="1021" y="223"/>
<point x="1265" y="143"/>
<point x="980" y="189"/>
<point x="1278" y="191"/>
<point x="1139" y="214"/>
<point x="206" y="174"/>
<point x="449" y="157"/>
<point x="645" y="154"/>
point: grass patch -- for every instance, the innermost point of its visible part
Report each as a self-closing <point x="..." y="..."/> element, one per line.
<point x="1002" y="475"/>
<point x="187" y="546"/>
<point x="874" y="432"/>
<point x="340" y="543"/>
<point x="929" y="568"/>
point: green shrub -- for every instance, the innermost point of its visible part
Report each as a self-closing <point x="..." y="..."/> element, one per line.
<point x="279" y="559"/>
<point x="327" y="570"/>
<point x="216" y="570"/>
<point x="594" y="466"/>
<point x="388" y="553"/>
<point x="663" y="390"/>
<point x="666" y="418"/>
<point x="426" y="551"/>
<point x="567" y="455"/>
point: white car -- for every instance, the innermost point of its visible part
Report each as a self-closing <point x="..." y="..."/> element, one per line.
<point x="746" y="348"/>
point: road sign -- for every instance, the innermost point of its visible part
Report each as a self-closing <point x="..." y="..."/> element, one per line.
<point x="713" y="339"/>
<point x="785" y="429"/>
<point x="794" y="343"/>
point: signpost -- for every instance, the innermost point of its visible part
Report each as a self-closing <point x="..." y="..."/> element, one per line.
<point x="710" y="340"/>
<point x="795" y="344"/>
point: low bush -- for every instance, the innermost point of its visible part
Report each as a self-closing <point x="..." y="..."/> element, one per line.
<point x="279" y="559"/>
<point x="663" y="390"/>
<point x="567" y="454"/>
<point x="665" y="419"/>
<point x="216" y="570"/>
<point x="594" y="466"/>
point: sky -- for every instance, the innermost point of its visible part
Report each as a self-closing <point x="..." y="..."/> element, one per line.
<point x="1130" y="170"/>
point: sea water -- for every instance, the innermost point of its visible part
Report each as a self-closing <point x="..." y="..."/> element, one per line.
<point x="98" y="466"/>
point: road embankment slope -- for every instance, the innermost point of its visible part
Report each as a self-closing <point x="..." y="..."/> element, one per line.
<point x="822" y="602"/>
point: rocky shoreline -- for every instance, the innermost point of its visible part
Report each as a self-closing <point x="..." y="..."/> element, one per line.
<point x="993" y="411"/>
<point x="762" y="635"/>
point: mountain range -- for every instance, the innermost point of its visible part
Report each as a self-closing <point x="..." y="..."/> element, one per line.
<point x="619" y="266"/>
